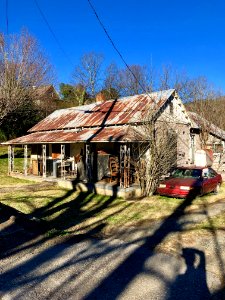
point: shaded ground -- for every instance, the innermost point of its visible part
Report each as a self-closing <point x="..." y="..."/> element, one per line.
<point x="167" y="259"/>
<point x="87" y="268"/>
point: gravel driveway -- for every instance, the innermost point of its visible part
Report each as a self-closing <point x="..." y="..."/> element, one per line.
<point x="147" y="263"/>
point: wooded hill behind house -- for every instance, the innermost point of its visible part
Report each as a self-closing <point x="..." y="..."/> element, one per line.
<point x="211" y="110"/>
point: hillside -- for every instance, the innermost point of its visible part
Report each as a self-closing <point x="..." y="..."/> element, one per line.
<point x="212" y="110"/>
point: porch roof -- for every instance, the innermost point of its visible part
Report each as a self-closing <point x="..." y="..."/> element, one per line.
<point x="99" y="134"/>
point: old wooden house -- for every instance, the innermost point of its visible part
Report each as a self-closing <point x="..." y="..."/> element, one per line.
<point x="95" y="143"/>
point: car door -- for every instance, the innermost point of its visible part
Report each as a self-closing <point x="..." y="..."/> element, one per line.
<point x="206" y="181"/>
<point x="213" y="179"/>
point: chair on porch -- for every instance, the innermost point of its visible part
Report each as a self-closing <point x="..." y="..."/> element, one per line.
<point x="73" y="167"/>
<point x="113" y="168"/>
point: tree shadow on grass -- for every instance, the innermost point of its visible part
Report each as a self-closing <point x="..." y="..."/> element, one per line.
<point x="73" y="212"/>
<point x="42" y="220"/>
<point x="37" y="236"/>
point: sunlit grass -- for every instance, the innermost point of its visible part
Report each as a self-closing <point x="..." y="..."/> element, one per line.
<point x="73" y="212"/>
<point x="29" y="202"/>
<point x="217" y="222"/>
<point x="18" y="165"/>
<point x="77" y="211"/>
<point x="6" y="180"/>
<point x="212" y="224"/>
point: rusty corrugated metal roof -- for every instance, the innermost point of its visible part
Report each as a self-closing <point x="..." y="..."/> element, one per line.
<point x="126" y="110"/>
<point x="201" y="123"/>
<point x="101" y="134"/>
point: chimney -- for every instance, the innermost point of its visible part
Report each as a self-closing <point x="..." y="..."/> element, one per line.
<point x="100" y="97"/>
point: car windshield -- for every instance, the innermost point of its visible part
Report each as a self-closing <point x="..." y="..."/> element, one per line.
<point x="186" y="173"/>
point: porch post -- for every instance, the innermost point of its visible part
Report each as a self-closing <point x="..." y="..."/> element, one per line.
<point x="124" y="166"/>
<point x="88" y="161"/>
<point x="62" y="161"/>
<point x="10" y="159"/>
<point x="128" y="165"/>
<point x="44" y="160"/>
<point x="192" y="148"/>
<point x="25" y="160"/>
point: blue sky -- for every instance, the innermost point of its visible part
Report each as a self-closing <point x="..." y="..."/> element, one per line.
<point x="189" y="35"/>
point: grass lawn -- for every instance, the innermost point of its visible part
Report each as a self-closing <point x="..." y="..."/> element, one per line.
<point x="6" y="180"/>
<point x="67" y="212"/>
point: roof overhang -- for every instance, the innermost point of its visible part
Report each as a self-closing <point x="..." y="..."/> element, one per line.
<point x="100" y="134"/>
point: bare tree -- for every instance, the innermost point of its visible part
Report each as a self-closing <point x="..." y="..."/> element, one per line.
<point x="22" y="66"/>
<point x="111" y="77"/>
<point x="166" y="78"/>
<point x="133" y="81"/>
<point x="151" y="78"/>
<point x="87" y="72"/>
<point x="203" y="104"/>
<point x="137" y="79"/>
<point x="111" y="85"/>
<point x="155" y="157"/>
<point x="156" y="154"/>
<point x="189" y="89"/>
<point x="200" y="97"/>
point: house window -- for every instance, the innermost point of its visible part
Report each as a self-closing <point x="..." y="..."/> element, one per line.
<point x="171" y="108"/>
<point x="218" y="148"/>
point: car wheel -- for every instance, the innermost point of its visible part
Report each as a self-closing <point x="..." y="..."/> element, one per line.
<point x="217" y="188"/>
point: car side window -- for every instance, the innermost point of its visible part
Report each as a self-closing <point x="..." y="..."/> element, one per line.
<point x="212" y="173"/>
<point x="196" y="173"/>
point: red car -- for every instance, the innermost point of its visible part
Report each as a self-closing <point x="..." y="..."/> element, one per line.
<point x="190" y="181"/>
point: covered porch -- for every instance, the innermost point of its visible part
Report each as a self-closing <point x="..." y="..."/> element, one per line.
<point x="100" y="161"/>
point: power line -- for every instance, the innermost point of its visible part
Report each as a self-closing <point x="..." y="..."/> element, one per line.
<point x="124" y="61"/>
<point x="118" y="52"/>
<point x="52" y="32"/>
<point x="115" y="47"/>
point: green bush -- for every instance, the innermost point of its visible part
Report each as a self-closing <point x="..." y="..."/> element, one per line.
<point x="3" y="137"/>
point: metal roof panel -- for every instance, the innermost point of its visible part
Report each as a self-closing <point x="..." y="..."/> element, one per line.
<point x="126" y="110"/>
<point x="100" y="134"/>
